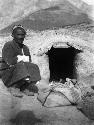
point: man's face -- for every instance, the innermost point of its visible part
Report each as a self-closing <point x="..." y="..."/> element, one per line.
<point x="19" y="36"/>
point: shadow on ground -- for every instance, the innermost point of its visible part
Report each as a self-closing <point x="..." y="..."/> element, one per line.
<point x="25" y="117"/>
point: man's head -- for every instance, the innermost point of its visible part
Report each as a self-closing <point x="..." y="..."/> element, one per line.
<point x="18" y="34"/>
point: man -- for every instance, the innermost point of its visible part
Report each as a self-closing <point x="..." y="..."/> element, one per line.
<point x="19" y="72"/>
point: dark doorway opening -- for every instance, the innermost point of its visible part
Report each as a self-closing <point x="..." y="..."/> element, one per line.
<point x="61" y="63"/>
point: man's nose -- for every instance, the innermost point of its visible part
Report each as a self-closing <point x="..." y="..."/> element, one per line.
<point x="21" y="36"/>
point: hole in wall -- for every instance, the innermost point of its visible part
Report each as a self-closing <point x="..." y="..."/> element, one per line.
<point x="62" y="63"/>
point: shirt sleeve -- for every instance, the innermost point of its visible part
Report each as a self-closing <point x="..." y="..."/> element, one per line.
<point x="8" y="55"/>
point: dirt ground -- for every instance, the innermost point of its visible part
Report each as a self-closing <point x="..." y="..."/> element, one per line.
<point x="29" y="111"/>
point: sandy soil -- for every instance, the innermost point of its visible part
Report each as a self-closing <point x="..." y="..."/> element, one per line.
<point x="29" y="111"/>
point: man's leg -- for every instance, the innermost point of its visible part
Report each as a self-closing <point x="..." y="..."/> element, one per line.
<point x="21" y="87"/>
<point x="32" y="87"/>
<point x="20" y="72"/>
<point x="33" y="71"/>
<point x="25" y="87"/>
<point x="15" y="90"/>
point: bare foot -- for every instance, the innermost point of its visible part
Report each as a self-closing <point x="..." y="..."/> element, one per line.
<point x="28" y="93"/>
<point x="15" y="92"/>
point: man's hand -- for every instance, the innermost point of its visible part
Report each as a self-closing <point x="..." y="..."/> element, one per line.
<point x="23" y="58"/>
<point x="20" y="58"/>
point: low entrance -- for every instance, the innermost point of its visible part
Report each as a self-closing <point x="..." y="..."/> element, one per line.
<point x="61" y="63"/>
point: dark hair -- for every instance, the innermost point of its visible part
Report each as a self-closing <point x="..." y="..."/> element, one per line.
<point x="15" y="28"/>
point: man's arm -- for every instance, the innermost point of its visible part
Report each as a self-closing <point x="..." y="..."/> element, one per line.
<point x="8" y="54"/>
<point x="28" y="53"/>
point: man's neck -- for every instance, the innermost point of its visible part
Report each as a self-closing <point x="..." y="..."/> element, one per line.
<point x="19" y="44"/>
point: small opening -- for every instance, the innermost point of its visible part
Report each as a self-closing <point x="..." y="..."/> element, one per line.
<point x="61" y="63"/>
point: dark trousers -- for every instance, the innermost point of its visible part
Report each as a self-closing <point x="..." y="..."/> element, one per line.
<point x="20" y="71"/>
<point x="22" y="85"/>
